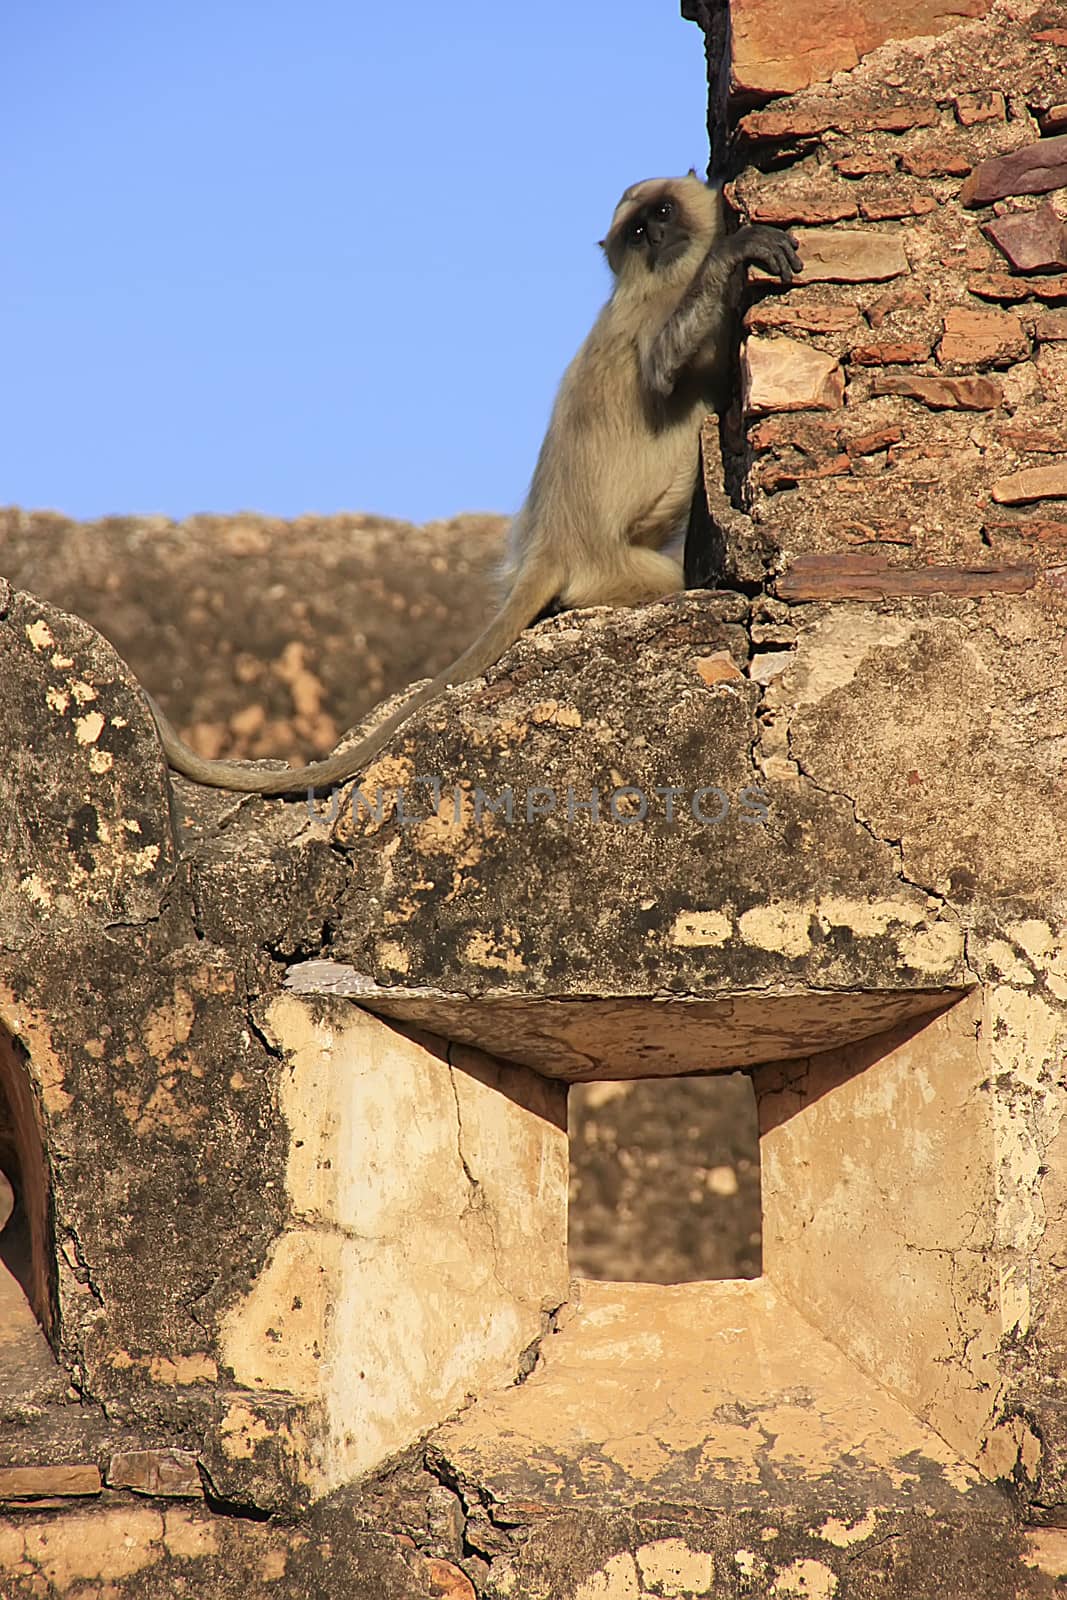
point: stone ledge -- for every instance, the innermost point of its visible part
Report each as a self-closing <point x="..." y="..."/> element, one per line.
<point x="633" y="1036"/>
<point x="717" y="1409"/>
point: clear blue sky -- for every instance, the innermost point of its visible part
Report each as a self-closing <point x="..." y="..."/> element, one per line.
<point x="312" y="257"/>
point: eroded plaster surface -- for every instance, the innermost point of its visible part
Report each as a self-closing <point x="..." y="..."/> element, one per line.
<point x="719" y="1393"/>
<point x="426" y="1233"/>
<point x="896" y="1190"/>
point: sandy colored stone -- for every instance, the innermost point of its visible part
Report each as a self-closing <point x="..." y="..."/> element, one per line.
<point x="1032" y="241"/>
<point x="726" y="1391"/>
<point x="1033" y="483"/>
<point x="849" y="255"/>
<point x="95" y="1545"/>
<point x="782" y="374"/>
<point x="916" y="1275"/>
<point x="23" y="1483"/>
<point x="982" y="338"/>
<point x="623" y="1037"/>
<point x="1046" y="1550"/>
<point x="329" y="1320"/>
<point x="155" y="1472"/>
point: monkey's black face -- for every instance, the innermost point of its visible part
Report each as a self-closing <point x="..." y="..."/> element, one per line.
<point x="658" y="232"/>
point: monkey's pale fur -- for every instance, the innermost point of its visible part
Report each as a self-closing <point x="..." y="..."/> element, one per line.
<point x="615" y="476"/>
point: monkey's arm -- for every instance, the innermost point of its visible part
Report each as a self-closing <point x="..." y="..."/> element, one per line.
<point x="702" y="314"/>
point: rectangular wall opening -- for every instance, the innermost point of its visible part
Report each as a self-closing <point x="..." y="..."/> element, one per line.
<point x="664" y="1180"/>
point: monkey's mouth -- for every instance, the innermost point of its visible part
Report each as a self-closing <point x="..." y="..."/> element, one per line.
<point x="666" y="253"/>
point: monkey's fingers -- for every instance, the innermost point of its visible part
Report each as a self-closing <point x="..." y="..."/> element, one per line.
<point x="772" y="249"/>
<point x="791" y="245"/>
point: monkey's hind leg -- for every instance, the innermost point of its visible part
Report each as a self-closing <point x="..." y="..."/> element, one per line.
<point x="640" y="576"/>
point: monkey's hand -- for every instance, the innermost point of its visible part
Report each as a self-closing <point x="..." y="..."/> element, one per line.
<point x="770" y="248"/>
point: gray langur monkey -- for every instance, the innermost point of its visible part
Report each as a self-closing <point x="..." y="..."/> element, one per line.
<point x="616" y="472"/>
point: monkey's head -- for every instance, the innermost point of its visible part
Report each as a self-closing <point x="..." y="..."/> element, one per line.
<point x="661" y="222"/>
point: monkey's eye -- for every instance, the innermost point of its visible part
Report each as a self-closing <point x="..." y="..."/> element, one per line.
<point x="637" y="231"/>
<point x="665" y="209"/>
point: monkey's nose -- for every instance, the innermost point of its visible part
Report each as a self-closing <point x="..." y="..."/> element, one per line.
<point x="655" y="233"/>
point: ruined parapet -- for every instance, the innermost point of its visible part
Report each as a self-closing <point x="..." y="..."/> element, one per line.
<point x="352" y="1226"/>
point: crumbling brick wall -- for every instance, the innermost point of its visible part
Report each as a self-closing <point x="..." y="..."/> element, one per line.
<point x="907" y="401"/>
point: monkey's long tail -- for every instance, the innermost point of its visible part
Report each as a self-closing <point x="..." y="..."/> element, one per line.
<point x="531" y="594"/>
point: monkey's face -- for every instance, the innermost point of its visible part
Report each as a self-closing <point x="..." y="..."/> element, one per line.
<point x="658" y="233"/>
<point x="655" y="224"/>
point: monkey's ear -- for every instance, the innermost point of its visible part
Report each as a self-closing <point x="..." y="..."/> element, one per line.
<point x="693" y="172"/>
<point x="602" y="244"/>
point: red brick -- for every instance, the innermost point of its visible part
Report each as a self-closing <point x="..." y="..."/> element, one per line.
<point x="813" y="435"/>
<point x="447" y="1582"/>
<point x="887" y="208"/>
<point x="840" y="577"/>
<point x="936" y="161"/>
<point x="903" y="455"/>
<point x="942" y="394"/>
<point x="1051" y="36"/>
<point x="1050" y="327"/>
<point x="1040" y="529"/>
<point x="1036" y="440"/>
<point x="781" y="210"/>
<point x="774" y="474"/>
<point x="811" y="318"/>
<point x="888" y="355"/>
<point x="778" y="50"/>
<point x="863" y="166"/>
<point x="796" y="124"/>
<point x="1054" y="120"/>
<point x="895" y="300"/>
<point x="1002" y="286"/>
<point x="986" y="107"/>
<point x="868" y="444"/>
<point x="814" y="118"/>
